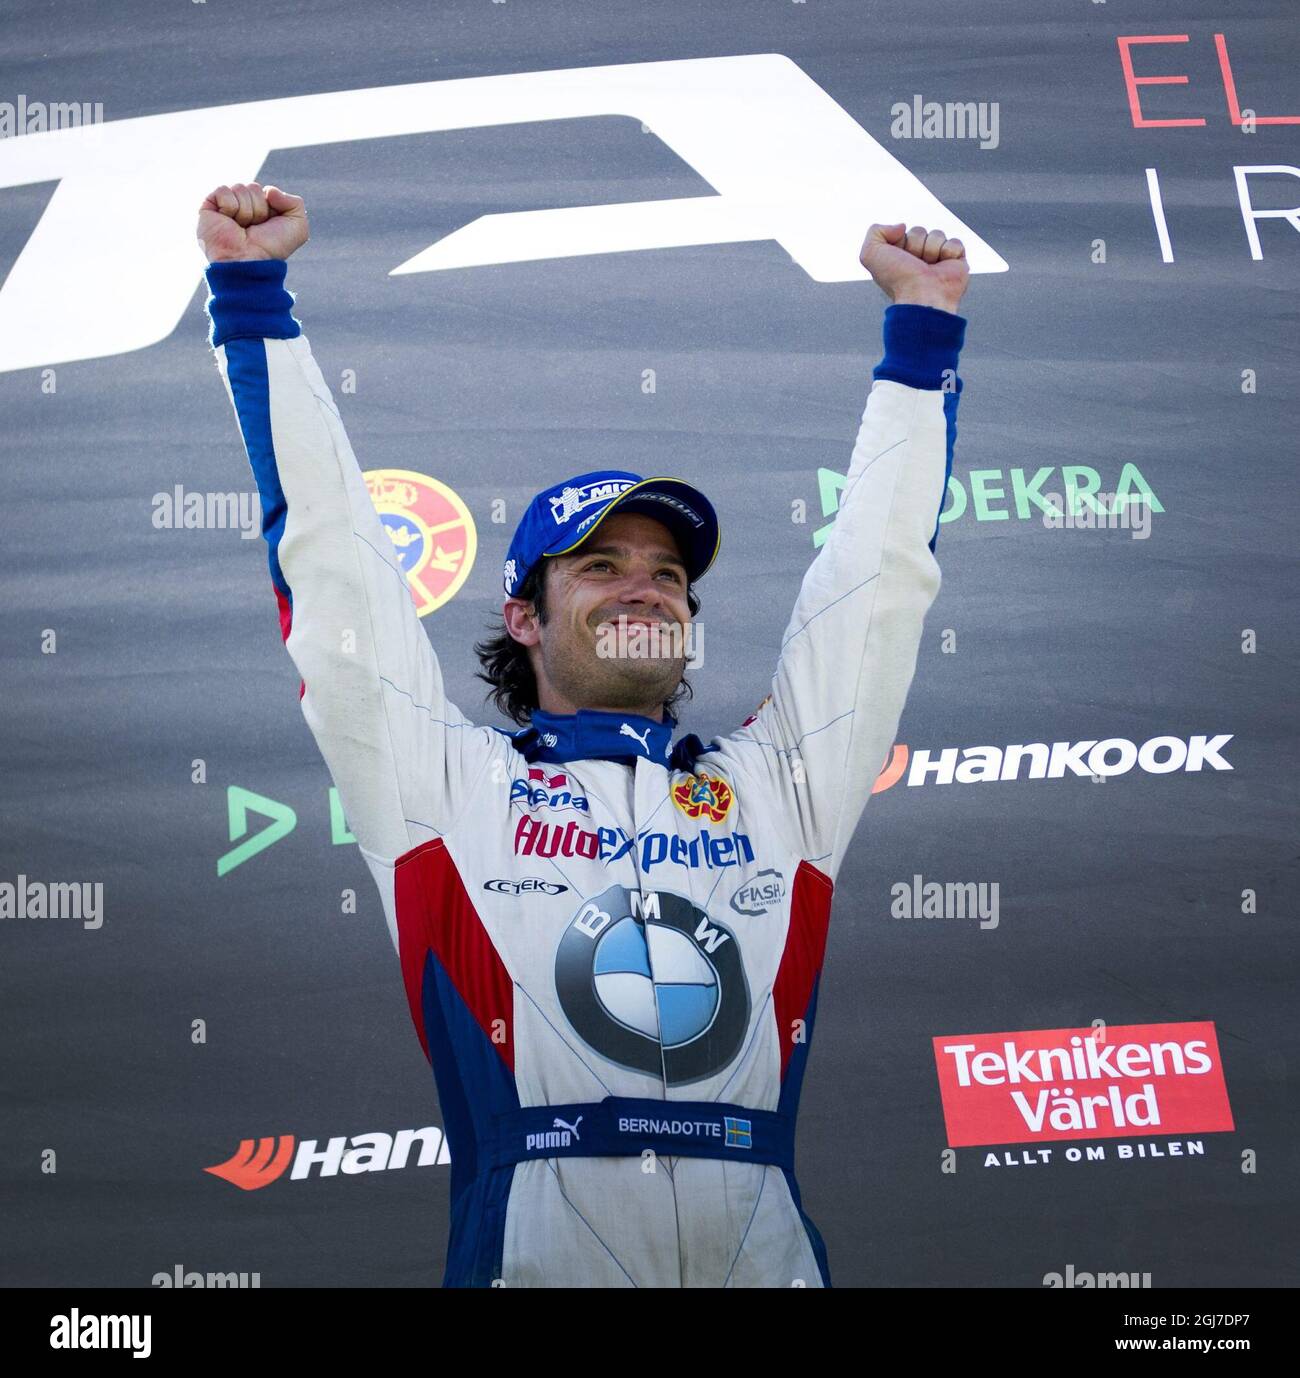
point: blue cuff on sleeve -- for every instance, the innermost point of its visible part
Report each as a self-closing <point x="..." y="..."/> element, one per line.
<point x="249" y="300"/>
<point x="921" y="344"/>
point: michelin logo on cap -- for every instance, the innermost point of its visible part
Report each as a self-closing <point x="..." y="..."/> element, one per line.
<point x="687" y="511"/>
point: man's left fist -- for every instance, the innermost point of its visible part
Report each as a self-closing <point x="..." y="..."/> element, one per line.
<point x="916" y="267"/>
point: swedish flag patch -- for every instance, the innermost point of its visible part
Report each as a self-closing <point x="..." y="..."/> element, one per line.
<point x="738" y="1132"/>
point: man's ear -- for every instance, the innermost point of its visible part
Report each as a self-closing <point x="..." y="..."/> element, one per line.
<point x="521" y="621"/>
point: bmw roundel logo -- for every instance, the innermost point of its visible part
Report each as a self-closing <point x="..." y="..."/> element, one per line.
<point x="652" y="983"/>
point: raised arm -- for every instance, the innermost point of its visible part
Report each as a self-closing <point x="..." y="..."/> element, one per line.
<point x="403" y="757"/>
<point x="849" y="651"/>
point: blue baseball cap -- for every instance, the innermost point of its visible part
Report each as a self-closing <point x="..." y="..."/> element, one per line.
<point x="560" y="518"/>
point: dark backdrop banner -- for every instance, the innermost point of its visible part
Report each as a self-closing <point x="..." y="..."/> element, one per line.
<point x="1032" y="953"/>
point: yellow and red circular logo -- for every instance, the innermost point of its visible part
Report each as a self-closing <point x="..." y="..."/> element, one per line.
<point x="431" y="530"/>
<point x="703" y="796"/>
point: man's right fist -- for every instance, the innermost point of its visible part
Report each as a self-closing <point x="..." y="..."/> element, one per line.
<point x="250" y="222"/>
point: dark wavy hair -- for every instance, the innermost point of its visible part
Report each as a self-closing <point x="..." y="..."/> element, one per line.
<point x="507" y="668"/>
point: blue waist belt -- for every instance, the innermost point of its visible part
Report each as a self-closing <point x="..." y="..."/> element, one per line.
<point x="622" y="1126"/>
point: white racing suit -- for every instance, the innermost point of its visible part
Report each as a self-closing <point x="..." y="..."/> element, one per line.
<point x="610" y="944"/>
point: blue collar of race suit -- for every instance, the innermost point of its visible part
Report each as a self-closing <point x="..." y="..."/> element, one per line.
<point x="591" y="733"/>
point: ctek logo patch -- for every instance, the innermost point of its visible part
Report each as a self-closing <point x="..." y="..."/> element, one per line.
<point x="1096" y="760"/>
<point x="256" y="1163"/>
<point x="530" y="885"/>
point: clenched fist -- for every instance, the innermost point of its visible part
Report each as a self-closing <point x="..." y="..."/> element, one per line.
<point x="250" y="222"/>
<point x="916" y="267"/>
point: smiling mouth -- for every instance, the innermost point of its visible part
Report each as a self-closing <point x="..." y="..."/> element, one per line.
<point x="636" y="622"/>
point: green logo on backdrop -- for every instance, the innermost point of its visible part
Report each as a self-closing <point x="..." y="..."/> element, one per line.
<point x="985" y="494"/>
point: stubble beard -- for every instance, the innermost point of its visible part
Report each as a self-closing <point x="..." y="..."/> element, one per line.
<point x="617" y="682"/>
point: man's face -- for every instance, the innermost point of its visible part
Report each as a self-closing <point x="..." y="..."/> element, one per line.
<point x="630" y="571"/>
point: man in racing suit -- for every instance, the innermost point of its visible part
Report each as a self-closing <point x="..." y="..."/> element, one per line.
<point x="610" y="943"/>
